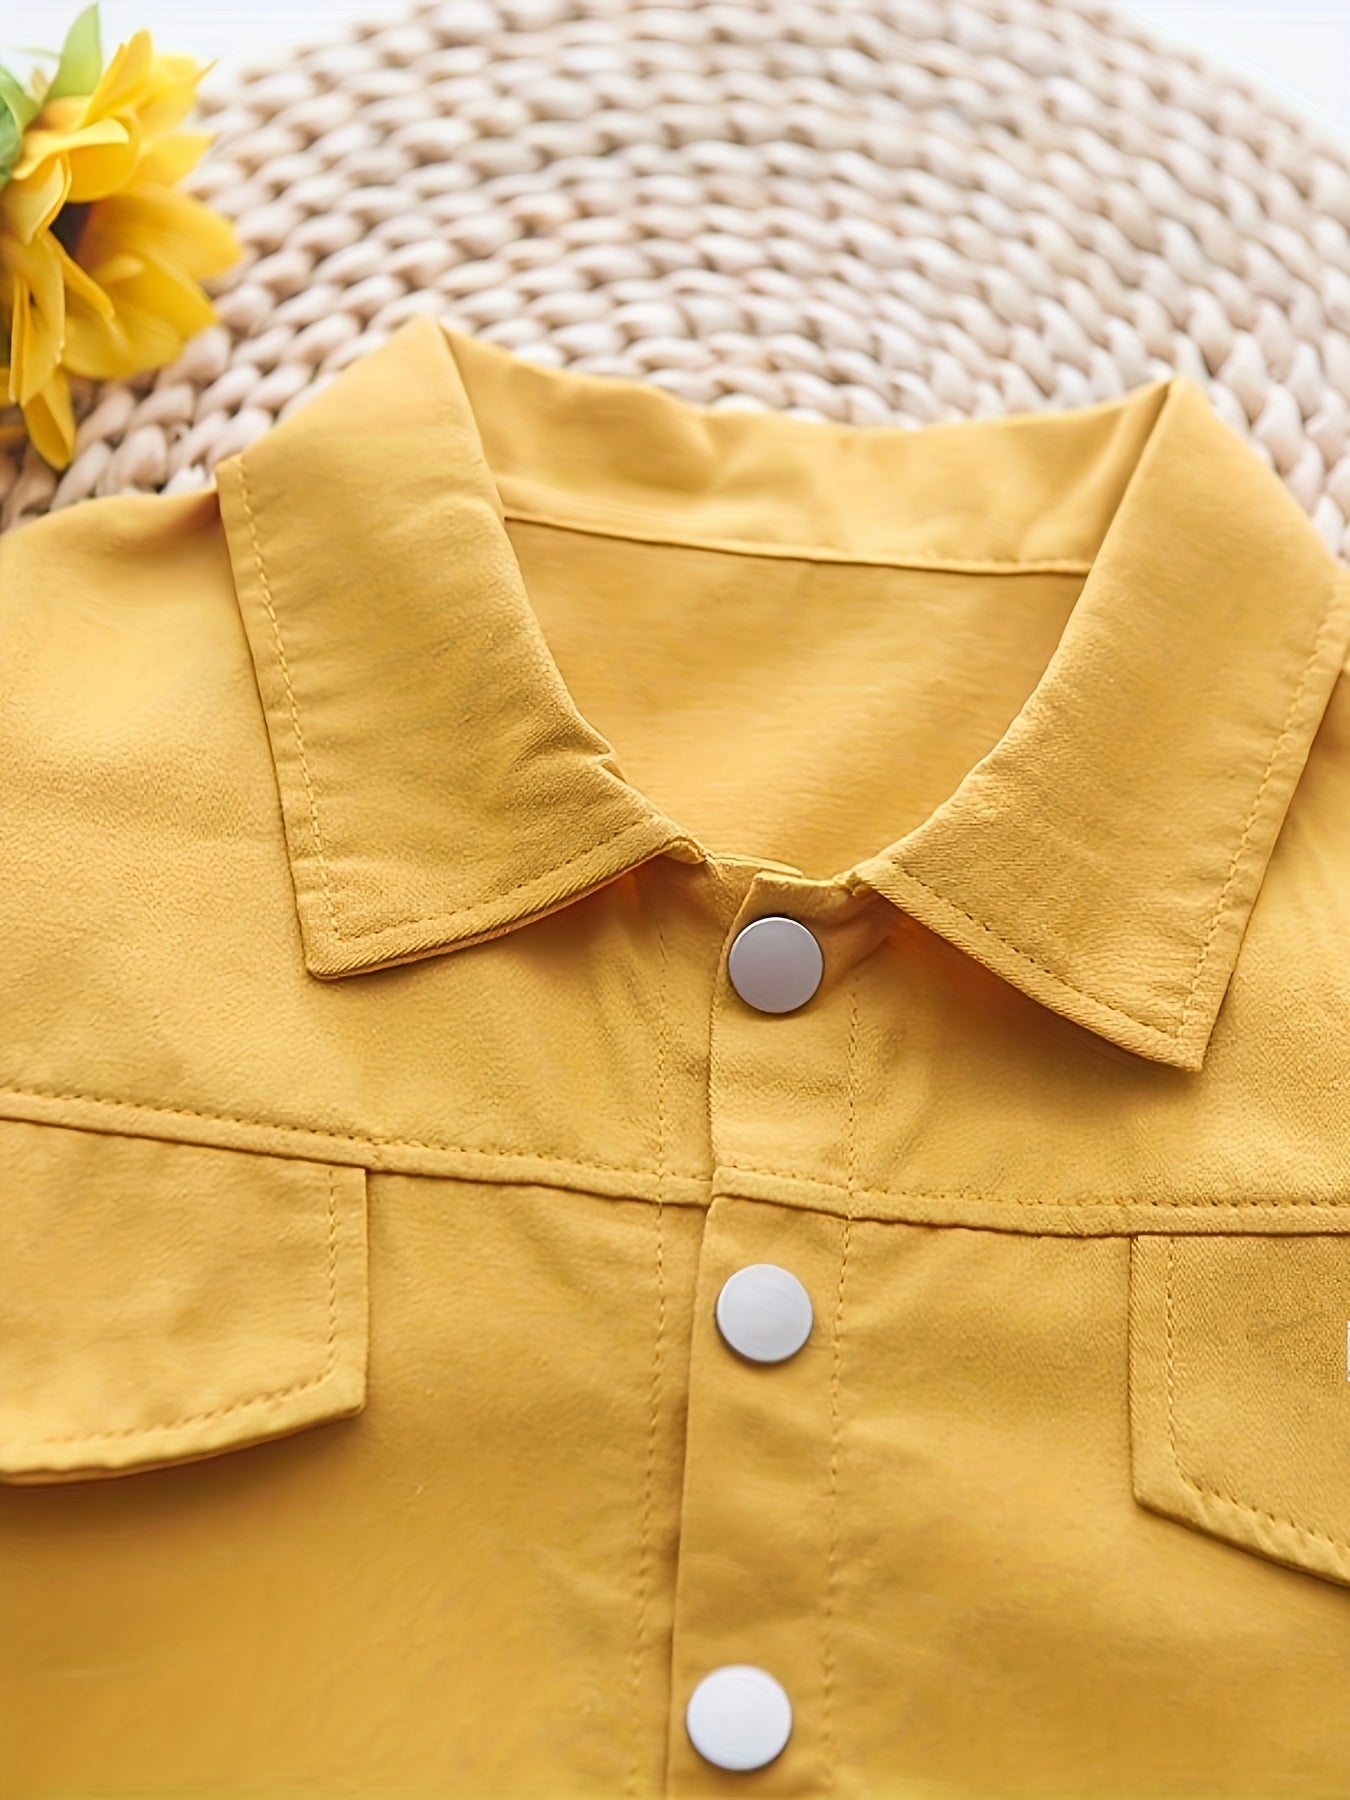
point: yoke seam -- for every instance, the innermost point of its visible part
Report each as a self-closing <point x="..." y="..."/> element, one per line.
<point x="793" y="1175"/>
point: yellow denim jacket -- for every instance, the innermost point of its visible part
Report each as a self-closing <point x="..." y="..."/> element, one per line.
<point x="479" y="1321"/>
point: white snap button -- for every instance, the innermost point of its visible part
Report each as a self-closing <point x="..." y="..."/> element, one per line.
<point x="738" y="1717"/>
<point x="764" y="1312"/>
<point x="775" y="964"/>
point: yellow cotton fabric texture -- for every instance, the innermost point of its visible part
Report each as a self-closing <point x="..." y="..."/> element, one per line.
<point x="378" y="1123"/>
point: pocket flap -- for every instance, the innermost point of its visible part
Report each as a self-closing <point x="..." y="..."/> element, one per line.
<point x="161" y="1302"/>
<point x="1240" y="1391"/>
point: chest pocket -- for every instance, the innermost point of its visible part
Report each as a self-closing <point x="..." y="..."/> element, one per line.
<point x="1239" y="1391"/>
<point x="163" y="1302"/>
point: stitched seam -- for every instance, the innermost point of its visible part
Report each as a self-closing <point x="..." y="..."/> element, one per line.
<point x="793" y="1175"/>
<point x="334" y="1137"/>
<point x="224" y="1412"/>
<point x="290" y="696"/>
<point x="444" y="917"/>
<point x="840" y="1187"/>
<point x="1285" y="731"/>
<point x="663" y="1016"/>
<point x="1119" y="1012"/>
<point x="633" y="828"/>
<point x="960" y="565"/>
<point x="1308" y="1532"/>
<point x="827" y="1636"/>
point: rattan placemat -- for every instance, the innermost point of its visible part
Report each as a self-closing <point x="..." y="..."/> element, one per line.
<point x="889" y="211"/>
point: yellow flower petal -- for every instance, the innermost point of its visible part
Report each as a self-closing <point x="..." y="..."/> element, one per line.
<point x="80" y="285"/>
<point x="40" y="143"/>
<point x="100" y="348"/>
<point x="123" y="80"/>
<point x="18" y="330"/>
<point x="183" y="71"/>
<point x="135" y="338"/>
<point x="157" y="312"/>
<point x="28" y="207"/>
<point x="159" y="222"/>
<point x="110" y="271"/>
<point x="38" y="332"/>
<point x="66" y="114"/>
<point x="169" y="158"/>
<point x="13" y="433"/>
<point x="173" y="297"/>
<point x="51" y="422"/>
<point x="174" y="92"/>
<point x="103" y="169"/>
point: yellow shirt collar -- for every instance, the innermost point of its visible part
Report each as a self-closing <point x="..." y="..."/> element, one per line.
<point x="439" y="785"/>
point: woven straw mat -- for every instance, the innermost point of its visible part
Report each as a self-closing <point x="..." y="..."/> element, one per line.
<point x="872" y="211"/>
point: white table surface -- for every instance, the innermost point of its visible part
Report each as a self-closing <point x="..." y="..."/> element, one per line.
<point x="1300" y="49"/>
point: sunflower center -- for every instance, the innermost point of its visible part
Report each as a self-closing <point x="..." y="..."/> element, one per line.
<point x="69" y="223"/>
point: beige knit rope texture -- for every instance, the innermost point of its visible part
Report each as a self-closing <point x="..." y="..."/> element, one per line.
<point x="884" y="211"/>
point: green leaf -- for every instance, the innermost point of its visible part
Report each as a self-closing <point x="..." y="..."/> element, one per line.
<point x="11" y="137"/>
<point x="81" y="58"/>
<point x="16" y="109"/>
<point x="22" y="105"/>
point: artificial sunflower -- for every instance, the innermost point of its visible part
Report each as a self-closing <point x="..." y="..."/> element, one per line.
<point x="100" y="256"/>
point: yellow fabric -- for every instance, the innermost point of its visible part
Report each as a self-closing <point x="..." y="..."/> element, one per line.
<point x="378" y="1124"/>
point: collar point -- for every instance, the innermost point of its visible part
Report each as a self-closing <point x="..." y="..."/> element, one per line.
<point x="395" y="930"/>
<point x="1120" y="1021"/>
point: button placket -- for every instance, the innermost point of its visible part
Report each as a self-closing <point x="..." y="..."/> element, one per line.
<point x="739" y="1715"/>
<point x="754" y="1532"/>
